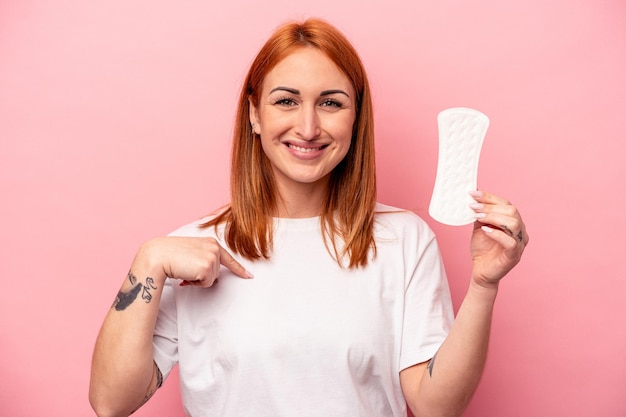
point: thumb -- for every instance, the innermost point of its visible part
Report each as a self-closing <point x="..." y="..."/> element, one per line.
<point x="231" y="263"/>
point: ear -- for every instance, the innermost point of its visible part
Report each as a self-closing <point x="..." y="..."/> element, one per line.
<point x="254" y="117"/>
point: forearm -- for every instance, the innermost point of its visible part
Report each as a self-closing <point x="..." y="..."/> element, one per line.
<point x="452" y="376"/>
<point x="122" y="366"/>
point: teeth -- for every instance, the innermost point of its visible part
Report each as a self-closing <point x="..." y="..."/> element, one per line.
<point x="301" y="149"/>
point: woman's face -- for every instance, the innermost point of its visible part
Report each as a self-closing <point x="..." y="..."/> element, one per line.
<point x="305" y="117"/>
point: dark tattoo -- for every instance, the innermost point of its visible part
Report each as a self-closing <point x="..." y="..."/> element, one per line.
<point x="132" y="278"/>
<point x="159" y="377"/>
<point x="124" y="299"/>
<point x="152" y="390"/>
<point x="507" y="230"/>
<point x="431" y="364"/>
<point x="146" y="289"/>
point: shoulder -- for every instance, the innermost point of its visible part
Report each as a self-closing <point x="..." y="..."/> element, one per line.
<point x="399" y="219"/>
<point x="197" y="228"/>
<point x="200" y="227"/>
<point x="396" y="228"/>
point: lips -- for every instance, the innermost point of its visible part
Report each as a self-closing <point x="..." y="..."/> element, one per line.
<point x="305" y="149"/>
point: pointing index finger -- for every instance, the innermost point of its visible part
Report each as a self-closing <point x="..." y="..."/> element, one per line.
<point x="231" y="263"/>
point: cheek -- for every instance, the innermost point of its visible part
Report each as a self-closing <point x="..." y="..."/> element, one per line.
<point x="275" y="123"/>
<point x="346" y="136"/>
<point x="342" y="129"/>
<point x="266" y="145"/>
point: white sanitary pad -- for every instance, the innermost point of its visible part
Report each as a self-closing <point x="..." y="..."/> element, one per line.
<point x="461" y="135"/>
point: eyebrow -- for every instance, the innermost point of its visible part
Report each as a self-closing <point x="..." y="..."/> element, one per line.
<point x="297" y="92"/>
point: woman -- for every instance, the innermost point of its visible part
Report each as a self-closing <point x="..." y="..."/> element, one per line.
<point x="349" y="305"/>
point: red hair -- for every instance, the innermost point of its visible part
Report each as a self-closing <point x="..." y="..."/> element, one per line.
<point x="348" y="212"/>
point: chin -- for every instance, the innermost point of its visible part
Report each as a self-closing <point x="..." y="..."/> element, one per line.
<point x="309" y="179"/>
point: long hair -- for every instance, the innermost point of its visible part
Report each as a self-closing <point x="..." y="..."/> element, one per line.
<point x="347" y="219"/>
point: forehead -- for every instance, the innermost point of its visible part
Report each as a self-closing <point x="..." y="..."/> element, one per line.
<point x="307" y="68"/>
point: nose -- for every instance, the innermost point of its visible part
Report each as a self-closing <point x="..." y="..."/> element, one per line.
<point x="308" y="124"/>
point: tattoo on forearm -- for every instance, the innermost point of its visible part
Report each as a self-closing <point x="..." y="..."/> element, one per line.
<point x="126" y="298"/>
<point x="145" y="294"/>
<point x="431" y="364"/>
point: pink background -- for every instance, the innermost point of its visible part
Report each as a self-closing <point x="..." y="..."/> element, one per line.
<point x="115" y="122"/>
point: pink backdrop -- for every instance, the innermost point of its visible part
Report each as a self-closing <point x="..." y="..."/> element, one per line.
<point x="115" y="121"/>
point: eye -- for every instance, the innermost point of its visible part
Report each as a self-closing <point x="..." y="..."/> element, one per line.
<point x="284" y="101"/>
<point x="331" y="103"/>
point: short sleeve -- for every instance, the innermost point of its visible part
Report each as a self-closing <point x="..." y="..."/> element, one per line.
<point x="165" y="339"/>
<point x="428" y="310"/>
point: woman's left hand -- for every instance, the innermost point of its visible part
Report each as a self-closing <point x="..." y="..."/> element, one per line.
<point x="498" y="239"/>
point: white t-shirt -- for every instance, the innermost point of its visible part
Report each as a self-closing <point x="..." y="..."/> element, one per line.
<point x="306" y="337"/>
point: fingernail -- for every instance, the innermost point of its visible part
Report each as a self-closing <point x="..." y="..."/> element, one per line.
<point x="477" y="206"/>
<point x="476" y="194"/>
<point x="480" y="215"/>
<point x="249" y="274"/>
<point x="486" y="229"/>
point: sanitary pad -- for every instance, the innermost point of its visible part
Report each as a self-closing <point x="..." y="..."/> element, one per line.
<point x="461" y="135"/>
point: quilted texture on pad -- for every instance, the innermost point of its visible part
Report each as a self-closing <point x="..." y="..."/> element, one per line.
<point x="461" y="135"/>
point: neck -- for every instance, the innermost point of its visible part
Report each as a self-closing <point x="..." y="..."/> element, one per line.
<point x="301" y="200"/>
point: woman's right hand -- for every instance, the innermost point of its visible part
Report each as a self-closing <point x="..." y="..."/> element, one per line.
<point x="195" y="261"/>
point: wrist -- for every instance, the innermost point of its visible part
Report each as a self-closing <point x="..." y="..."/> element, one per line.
<point x="483" y="290"/>
<point x="147" y="262"/>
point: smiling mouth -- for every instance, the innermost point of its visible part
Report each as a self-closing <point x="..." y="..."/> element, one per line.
<point x="301" y="149"/>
